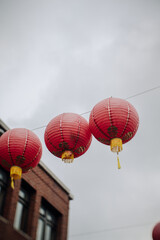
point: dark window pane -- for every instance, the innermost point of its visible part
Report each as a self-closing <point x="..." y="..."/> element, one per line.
<point x="42" y="211"/>
<point x="24" y="195"/>
<point x="40" y="230"/>
<point x="20" y="221"/>
<point x="50" y="217"/>
<point x="47" y="222"/>
<point x="18" y="216"/>
<point x="24" y="218"/>
<point x="3" y="176"/>
<point x="2" y="197"/>
<point x="3" y="188"/>
<point x="48" y="233"/>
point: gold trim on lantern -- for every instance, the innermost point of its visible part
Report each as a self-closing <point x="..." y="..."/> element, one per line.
<point x="15" y="173"/>
<point x="67" y="156"/>
<point x="116" y="145"/>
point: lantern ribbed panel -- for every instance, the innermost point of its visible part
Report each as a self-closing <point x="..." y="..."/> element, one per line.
<point x="68" y="131"/>
<point x="20" y="147"/>
<point x="156" y="232"/>
<point x="113" y="118"/>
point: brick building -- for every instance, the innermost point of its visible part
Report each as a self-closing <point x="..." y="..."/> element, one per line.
<point x="38" y="207"/>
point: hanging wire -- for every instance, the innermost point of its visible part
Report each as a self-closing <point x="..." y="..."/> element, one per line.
<point x="114" y="228"/>
<point x="38" y="128"/>
<point x="141" y="93"/>
<point x="85" y="113"/>
<point x="123" y="227"/>
<point x="135" y="95"/>
<point x="110" y="229"/>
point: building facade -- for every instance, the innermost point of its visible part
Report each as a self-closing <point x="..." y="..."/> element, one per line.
<point x="38" y="207"/>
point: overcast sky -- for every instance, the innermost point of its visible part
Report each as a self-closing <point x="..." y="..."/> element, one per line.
<point x="65" y="56"/>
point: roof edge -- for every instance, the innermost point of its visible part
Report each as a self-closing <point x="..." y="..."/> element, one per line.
<point x="71" y="197"/>
<point x="4" y="125"/>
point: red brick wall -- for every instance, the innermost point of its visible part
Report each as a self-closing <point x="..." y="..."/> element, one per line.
<point x="7" y="232"/>
<point x="45" y="187"/>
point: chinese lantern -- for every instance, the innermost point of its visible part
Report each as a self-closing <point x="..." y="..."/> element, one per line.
<point x="156" y="232"/>
<point x="20" y="151"/>
<point x="68" y="136"/>
<point x="114" y="121"/>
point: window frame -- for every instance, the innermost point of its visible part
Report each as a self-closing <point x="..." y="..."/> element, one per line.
<point x="48" y="210"/>
<point x="3" y="189"/>
<point x="23" y="204"/>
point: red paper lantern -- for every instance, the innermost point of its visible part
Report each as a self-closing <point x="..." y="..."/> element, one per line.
<point x="68" y="136"/>
<point x="156" y="232"/>
<point x="114" y="121"/>
<point x="20" y="151"/>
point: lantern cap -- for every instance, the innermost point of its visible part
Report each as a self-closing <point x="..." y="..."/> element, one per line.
<point x="67" y="156"/>
<point x="15" y="173"/>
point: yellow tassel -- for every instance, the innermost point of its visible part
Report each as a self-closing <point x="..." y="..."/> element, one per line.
<point x="12" y="183"/>
<point x="15" y="173"/>
<point x="119" y="166"/>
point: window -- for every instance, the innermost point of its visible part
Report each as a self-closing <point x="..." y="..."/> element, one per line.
<point x="1" y="131"/>
<point x="20" y="221"/>
<point x="47" y="222"/>
<point x="3" y="188"/>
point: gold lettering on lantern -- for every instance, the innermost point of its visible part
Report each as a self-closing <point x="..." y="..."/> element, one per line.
<point x="105" y="141"/>
<point x="80" y="150"/>
<point x="20" y="160"/>
<point x="5" y="163"/>
<point x="127" y="136"/>
<point x="64" y="145"/>
<point x="112" y="131"/>
<point x="58" y="153"/>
